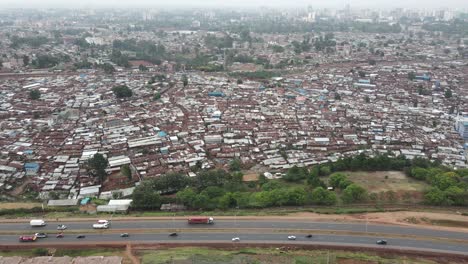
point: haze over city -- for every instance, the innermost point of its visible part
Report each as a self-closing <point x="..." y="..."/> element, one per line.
<point x="459" y="4"/>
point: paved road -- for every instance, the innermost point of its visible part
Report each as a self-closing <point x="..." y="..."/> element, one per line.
<point x="239" y="224"/>
<point x="367" y="241"/>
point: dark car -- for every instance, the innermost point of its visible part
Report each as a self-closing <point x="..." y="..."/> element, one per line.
<point x="124" y="235"/>
<point x="381" y="242"/>
<point x="309" y="236"/>
<point x="173" y="234"/>
<point x="80" y="236"/>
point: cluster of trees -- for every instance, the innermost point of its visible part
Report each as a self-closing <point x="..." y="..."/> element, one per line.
<point x="219" y="189"/>
<point x="34" y="42"/>
<point x="376" y="27"/>
<point x="457" y="26"/>
<point x="201" y="62"/>
<point x="447" y="187"/>
<point x="122" y="91"/>
<point x="106" y="67"/>
<point x="326" y="43"/>
<point x="211" y="41"/>
<point x="277" y="48"/>
<point x="255" y="74"/>
<point x="144" y="50"/>
<point x="119" y="58"/>
<point x="48" y="61"/>
<point x="303" y="46"/>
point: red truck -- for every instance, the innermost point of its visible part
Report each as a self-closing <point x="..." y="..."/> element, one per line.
<point x="201" y="220"/>
<point x="27" y="238"/>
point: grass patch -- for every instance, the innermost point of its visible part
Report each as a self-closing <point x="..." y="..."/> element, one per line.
<point x="87" y="252"/>
<point x="270" y="256"/>
<point x="17" y="253"/>
<point x="382" y="181"/>
<point x="450" y="223"/>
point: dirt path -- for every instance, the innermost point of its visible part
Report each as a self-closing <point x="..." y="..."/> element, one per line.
<point x="20" y="189"/>
<point x="129" y="254"/>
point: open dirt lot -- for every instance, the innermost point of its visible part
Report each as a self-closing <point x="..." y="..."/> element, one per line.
<point x="382" y="181"/>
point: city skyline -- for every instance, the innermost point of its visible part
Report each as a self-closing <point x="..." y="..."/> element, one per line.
<point x="241" y="3"/>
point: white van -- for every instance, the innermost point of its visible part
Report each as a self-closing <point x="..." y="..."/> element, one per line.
<point x="37" y="223"/>
<point x="101" y="224"/>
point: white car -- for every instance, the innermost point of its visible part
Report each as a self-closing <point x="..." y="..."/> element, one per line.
<point x="235" y="239"/>
<point x="61" y="227"/>
<point x="291" y="238"/>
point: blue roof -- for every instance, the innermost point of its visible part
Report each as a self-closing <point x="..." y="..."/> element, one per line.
<point x="162" y="134"/>
<point x="85" y="201"/>
<point x="31" y="165"/>
<point x="28" y="151"/>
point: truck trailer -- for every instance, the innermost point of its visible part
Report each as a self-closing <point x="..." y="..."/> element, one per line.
<point x="201" y="220"/>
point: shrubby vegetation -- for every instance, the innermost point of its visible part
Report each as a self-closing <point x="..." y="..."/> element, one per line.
<point x="219" y="189"/>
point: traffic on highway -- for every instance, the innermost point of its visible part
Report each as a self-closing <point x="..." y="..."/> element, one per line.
<point x="300" y="232"/>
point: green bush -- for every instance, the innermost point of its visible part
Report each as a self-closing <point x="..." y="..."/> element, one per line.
<point x="40" y="252"/>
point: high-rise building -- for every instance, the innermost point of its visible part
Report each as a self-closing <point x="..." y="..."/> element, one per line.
<point x="462" y="126"/>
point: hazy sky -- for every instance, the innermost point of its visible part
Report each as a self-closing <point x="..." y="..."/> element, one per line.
<point x="248" y="3"/>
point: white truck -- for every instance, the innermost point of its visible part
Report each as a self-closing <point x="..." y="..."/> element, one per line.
<point x="37" y="223"/>
<point x="101" y="224"/>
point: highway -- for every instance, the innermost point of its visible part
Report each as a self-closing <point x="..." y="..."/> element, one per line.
<point x="216" y="237"/>
<point x="243" y="224"/>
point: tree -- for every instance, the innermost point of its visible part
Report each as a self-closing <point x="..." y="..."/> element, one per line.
<point x="456" y="196"/>
<point x="339" y="180"/>
<point x="200" y="201"/>
<point x="444" y="181"/>
<point x="122" y="91"/>
<point x="411" y="75"/>
<point x="367" y="99"/>
<point x="337" y="96"/>
<point x="96" y="166"/>
<point x="34" y="94"/>
<point x="448" y="93"/>
<point x="362" y="74"/>
<point x="186" y="197"/>
<point x="354" y="193"/>
<point x="235" y="165"/>
<point x="271" y="185"/>
<point x="171" y="182"/>
<point x="184" y="80"/>
<point x="320" y="196"/>
<point x="295" y="174"/>
<point x="142" y="68"/>
<point x="314" y="180"/>
<point x="126" y="171"/>
<point x="419" y="173"/>
<point x="372" y="62"/>
<point x="145" y="198"/>
<point x="324" y="170"/>
<point x="107" y="67"/>
<point x="239" y="81"/>
<point x="157" y="96"/>
<point x="25" y="60"/>
<point x="435" y="196"/>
